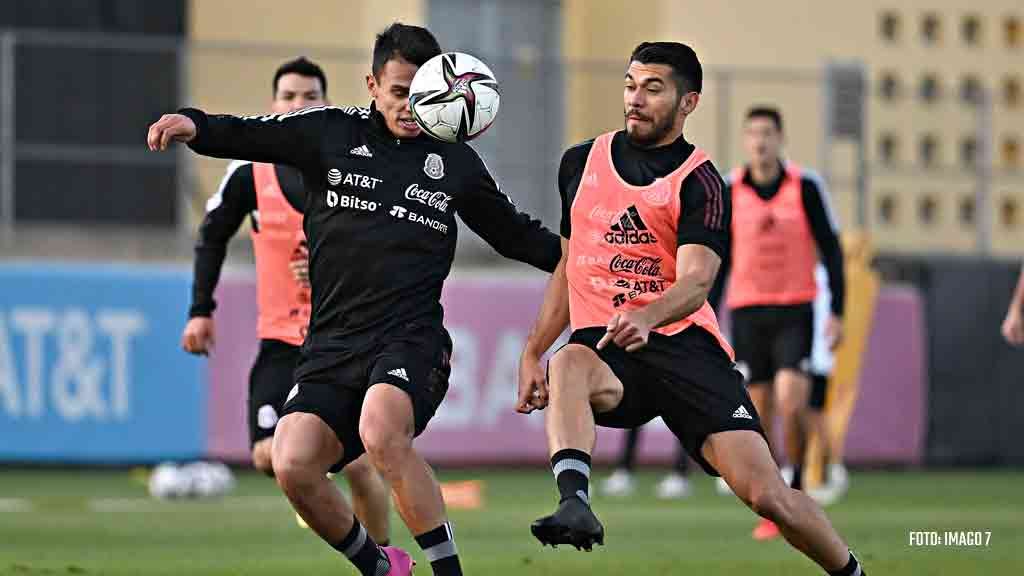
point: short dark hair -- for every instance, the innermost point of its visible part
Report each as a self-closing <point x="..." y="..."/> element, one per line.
<point x="770" y="112"/>
<point x="686" y="70"/>
<point x="303" y="67"/>
<point x="414" y="44"/>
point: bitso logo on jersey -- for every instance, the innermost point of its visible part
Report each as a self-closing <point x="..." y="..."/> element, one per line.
<point x="334" y="176"/>
<point x="630" y="229"/>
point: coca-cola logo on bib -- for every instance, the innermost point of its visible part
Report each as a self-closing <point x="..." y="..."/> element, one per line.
<point x="644" y="266"/>
<point x="436" y="200"/>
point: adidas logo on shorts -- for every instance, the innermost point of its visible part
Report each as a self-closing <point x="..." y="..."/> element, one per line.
<point x="361" y="151"/>
<point x="399" y="373"/>
<point x="741" y="412"/>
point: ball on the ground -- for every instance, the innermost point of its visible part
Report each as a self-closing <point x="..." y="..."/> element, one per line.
<point x="168" y="481"/>
<point x="454" y="97"/>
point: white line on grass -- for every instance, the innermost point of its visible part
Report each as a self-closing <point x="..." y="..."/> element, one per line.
<point x="15" y="505"/>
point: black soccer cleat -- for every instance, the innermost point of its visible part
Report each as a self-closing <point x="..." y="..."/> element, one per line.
<point x="573" y="523"/>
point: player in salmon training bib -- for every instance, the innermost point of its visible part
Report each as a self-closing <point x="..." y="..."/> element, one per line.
<point x="645" y="225"/>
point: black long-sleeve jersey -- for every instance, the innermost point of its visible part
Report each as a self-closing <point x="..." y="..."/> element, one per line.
<point x="379" y="213"/>
<point x="823" y="227"/>
<point x="225" y="212"/>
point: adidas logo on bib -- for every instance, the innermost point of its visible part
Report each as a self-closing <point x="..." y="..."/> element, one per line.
<point x="630" y="229"/>
<point x="741" y="412"/>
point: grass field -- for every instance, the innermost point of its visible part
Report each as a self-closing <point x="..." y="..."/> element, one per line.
<point x="102" y="522"/>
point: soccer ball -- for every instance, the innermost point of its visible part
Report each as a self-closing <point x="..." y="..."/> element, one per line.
<point x="454" y="97"/>
<point x="168" y="481"/>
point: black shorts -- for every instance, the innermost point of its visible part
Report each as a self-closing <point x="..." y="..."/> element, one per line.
<point x="772" y="338"/>
<point x="333" y="383"/>
<point x="270" y="379"/>
<point x="819" y="388"/>
<point x="687" y="379"/>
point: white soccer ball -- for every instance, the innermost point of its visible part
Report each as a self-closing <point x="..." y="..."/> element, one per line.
<point x="208" y="479"/>
<point x="454" y="97"/>
<point x="168" y="481"/>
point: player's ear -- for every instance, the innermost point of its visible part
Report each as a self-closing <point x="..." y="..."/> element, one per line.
<point x="371" y="86"/>
<point x="689" y="103"/>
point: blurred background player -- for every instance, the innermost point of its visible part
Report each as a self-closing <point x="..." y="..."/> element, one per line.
<point x="781" y="227"/>
<point x="822" y="361"/>
<point x="675" y="484"/>
<point x="1013" y="325"/>
<point x="273" y="196"/>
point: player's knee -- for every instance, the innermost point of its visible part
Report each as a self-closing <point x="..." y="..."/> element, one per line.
<point x="292" y="472"/>
<point x="573" y="365"/>
<point x="261" y="457"/>
<point x="768" y="501"/>
<point x="387" y="448"/>
<point x="360" y="473"/>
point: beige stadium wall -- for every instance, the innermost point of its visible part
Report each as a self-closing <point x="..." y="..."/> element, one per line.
<point x="802" y="35"/>
<point x="237" y="45"/>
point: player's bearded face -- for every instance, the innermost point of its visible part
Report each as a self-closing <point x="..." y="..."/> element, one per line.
<point x="763" y="140"/>
<point x="295" y="92"/>
<point x="651" y="104"/>
<point x="390" y="92"/>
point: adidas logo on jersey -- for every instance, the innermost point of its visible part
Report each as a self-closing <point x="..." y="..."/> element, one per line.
<point x="399" y="373"/>
<point x="361" y="151"/>
<point x="741" y="412"/>
<point x="630" y="229"/>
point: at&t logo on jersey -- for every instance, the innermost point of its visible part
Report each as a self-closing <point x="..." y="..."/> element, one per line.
<point x="335" y="200"/>
<point x="630" y="229"/>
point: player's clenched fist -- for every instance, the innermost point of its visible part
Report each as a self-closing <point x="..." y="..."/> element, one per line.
<point x="198" y="336"/>
<point x="170" y="128"/>
<point x="533" y="386"/>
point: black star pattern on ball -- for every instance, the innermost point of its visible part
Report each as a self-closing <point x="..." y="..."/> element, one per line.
<point x="460" y="87"/>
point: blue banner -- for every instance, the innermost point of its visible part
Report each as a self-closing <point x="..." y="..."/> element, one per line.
<point x="91" y="369"/>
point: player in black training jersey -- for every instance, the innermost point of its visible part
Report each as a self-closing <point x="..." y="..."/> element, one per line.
<point x="380" y="222"/>
<point x="282" y="282"/>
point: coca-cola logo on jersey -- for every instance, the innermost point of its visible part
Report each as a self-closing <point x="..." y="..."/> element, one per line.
<point x="436" y="200"/>
<point x="644" y="266"/>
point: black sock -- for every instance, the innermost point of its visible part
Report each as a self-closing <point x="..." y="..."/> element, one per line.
<point x="439" y="547"/>
<point x="363" y="552"/>
<point x="572" y="473"/>
<point x="798" y="478"/>
<point x="852" y="568"/>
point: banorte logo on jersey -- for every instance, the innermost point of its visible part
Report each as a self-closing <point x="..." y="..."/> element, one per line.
<point x="436" y="200"/>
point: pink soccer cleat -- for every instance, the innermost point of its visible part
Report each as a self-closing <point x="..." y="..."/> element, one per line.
<point x="401" y="562"/>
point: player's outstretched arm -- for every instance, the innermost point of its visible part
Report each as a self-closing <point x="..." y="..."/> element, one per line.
<point x="513" y="234"/>
<point x="696" y="268"/>
<point x="1013" y="325"/>
<point x="293" y="138"/>
<point x="551" y="322"/>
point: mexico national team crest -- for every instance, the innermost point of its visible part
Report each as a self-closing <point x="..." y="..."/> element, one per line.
<point x="434" y="166"/>
<point x="658" y="194"/>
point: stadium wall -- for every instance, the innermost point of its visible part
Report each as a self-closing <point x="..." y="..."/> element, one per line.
<point x="91" y="371"/>
<point x="975" y="392"/>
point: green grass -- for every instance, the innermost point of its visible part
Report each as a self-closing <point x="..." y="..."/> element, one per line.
<point x="252" y="532"/>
